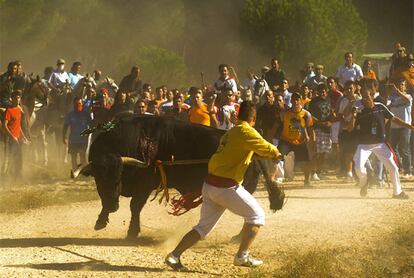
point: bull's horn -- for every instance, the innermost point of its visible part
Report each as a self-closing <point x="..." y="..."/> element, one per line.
<point x="133" y="162"/>
<point x="81" y="169"/>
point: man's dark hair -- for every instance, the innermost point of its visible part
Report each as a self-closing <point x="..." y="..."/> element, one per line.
<point x="135" y="67"/>
<point x="349" y="83"/>
<point x="145" y="86"/>
<point x="247" y="110"/>
<point x="347" y="53"/>
<point x="192" y="91"/>
<point x="296" y="96"/>
<point x="77" y="63"/>
<point x="16" y="93"/>
<point x="221" y="66"/>
<point x="76" y="99"/>
<point x="331" y="78"/>
<point x="321" y="86"/>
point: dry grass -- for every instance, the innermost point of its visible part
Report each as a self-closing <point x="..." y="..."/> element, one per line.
<point x="392" y="257"/>
<point x="22" y="198"/>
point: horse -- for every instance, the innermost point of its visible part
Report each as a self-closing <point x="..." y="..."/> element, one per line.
<point x="84" y="83"/>
<point x="34" y="105"/>
<point x="109" y="84"/>
<point x="60" y="103"/>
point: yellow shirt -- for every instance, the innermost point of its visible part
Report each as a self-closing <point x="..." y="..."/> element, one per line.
<point x="236" y="150"/>
<point x="294" y="126"/>
<point x="199" y="115"/>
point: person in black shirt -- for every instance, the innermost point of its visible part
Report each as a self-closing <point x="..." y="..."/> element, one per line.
<point x="321" y="111"/>
<point x="370" y="126"/>
<point x="275" y="75"/>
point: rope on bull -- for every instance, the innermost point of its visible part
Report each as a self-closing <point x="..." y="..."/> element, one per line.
<point x="163" y="187"/>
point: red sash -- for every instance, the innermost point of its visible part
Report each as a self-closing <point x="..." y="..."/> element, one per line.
<point x="220" y="181"/>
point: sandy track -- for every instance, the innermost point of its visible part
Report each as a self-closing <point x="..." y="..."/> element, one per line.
<point x="59" y="241"/>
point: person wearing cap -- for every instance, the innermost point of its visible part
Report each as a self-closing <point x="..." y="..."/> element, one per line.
<point x="59" y="77"/>
<point x="317" y="79"/>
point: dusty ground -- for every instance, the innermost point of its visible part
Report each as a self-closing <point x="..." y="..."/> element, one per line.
<point x="324" y="231"/>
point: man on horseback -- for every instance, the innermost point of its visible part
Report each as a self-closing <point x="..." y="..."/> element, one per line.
<point x="74" y="74"/>
<point x="7" y="84"/>
<point x="59" y="77"/>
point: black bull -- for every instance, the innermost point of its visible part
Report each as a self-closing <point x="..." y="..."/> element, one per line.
<point x="115" y="155"/>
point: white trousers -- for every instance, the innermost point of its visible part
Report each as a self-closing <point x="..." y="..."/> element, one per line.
<point x="236" y="199"/>
<point x="384" y="154"/>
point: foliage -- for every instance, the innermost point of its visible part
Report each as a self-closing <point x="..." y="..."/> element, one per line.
<point x="305" y="30"/>
<point x="159" y="65"/>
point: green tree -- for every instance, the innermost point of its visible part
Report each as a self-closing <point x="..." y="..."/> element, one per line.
<point x="298" y="31"/>
<point x="158" y="66"/>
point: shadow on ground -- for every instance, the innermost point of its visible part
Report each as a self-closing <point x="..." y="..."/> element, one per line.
<point x="88" y="266"/>
<point x="62" y="241"/>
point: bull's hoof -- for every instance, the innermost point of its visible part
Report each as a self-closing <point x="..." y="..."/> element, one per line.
<point x="100" y="224"/>
<point x="132" y="233"/>
<point x="131" y="237"/>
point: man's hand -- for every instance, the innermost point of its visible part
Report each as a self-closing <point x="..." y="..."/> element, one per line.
<point x="279" y="157"/>
<point x="65" y="141"/>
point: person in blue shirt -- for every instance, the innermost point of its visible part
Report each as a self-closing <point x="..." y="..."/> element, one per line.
<point x="77" y="120"/>
<point x="74" y="74"/>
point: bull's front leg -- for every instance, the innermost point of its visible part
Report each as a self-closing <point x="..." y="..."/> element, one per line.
<point x="136" y="205"/>
<point x="103" y="220"/>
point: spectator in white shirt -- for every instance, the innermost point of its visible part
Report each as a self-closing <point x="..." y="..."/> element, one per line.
<point x="59" y="77"/>
<point x="350" y="70"/>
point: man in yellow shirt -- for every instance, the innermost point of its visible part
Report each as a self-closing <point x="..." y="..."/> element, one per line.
<point x="297" y="131"/>
<point x="222" y="188"/>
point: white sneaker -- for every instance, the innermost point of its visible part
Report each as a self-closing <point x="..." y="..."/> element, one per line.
<point x="246" y="260"/>
<point x="315" y="177"/>
<point x="174" y="262"/>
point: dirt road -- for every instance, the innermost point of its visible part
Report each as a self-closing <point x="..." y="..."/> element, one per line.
<point x="327" y="230"/>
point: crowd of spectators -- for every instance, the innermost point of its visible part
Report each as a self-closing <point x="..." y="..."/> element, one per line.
<point x="311" y="119"/>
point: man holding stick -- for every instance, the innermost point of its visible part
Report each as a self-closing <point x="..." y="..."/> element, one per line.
<point x="222" y="190"/>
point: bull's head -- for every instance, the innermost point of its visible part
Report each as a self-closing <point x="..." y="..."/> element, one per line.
<point x="107" y="171"/>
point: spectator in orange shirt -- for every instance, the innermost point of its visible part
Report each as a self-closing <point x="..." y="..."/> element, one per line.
<point x="367" y="70"/>
<point x="15" y="137"/>
<point x="199" y="112"/>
